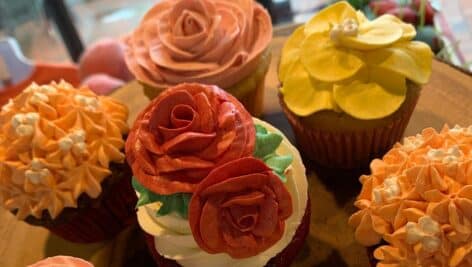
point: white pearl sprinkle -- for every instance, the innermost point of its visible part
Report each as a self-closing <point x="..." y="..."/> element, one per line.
<point x="65" y="143"/>
<point x="34" y="177"/>
<point x="17" y="120"/>
<point x="79" y="148"/>
<point x="36" y="165"/>
<point x="24" y="130"/>
<point x="31" y="118"/>
<point x="38" y="97"/>
<point x="7" y="107"/>
<point x="78" y="136"/>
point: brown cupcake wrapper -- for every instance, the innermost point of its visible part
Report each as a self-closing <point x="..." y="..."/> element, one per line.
<point x="284" y="259"/>
<point x="348" y="149"/>
<point x="96" y="219"/>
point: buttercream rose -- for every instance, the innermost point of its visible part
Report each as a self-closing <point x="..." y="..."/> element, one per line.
<point x="186" y="132"/>
<point x="240" y="208"/>
<point x="205" y="41"/>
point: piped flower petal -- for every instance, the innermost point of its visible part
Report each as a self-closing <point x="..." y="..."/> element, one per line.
<point x="410" y="59"/>
<point x="408" y="29"/>
<point x="291" y="52"/>
<point x="373" y="35"/>
<point x="304" y="95"/>
<point x="327" y="62"/>
<point x="372" y="100"/>
<point x="332" y="15"/>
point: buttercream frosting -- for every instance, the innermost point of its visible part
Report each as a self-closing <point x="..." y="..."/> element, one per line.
<point x="205" y="41"/>
<point x="426" y="215"/>
<point x="341" y="61"/>
<point x="173" y="235"/>
<point x="54" y="148"/>
<point x="184" y="133"/>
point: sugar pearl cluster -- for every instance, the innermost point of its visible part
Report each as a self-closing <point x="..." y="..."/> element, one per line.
<point x="40" y="93"/>
<point x="24" y="124"/>
<point x="88" y="102"/>
<point x="74" y="142"/>
<point x="37" y="172"/>
<point x="349" y="27"/>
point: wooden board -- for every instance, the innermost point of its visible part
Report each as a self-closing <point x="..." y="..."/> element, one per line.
<point x="446" y="99"/>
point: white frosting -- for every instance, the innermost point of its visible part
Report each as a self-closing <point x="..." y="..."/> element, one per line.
<point x="424" y="232"/>
<point x="173" y="237"/>
<point x="389" y="189"/>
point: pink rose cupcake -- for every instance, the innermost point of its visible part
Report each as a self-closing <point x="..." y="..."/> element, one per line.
<point x="62" y="261"/>
<point x="219" y="42"/>
<point x="416" y="206"/>
<point x="216" y="187"/>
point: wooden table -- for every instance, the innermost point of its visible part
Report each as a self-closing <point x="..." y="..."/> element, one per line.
<point x="446" y="99"/>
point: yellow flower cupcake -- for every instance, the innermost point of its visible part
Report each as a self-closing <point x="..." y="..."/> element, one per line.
<point x="416" y="205"/>
<point x="349" y="85"/>
<point x="220" y="42"/>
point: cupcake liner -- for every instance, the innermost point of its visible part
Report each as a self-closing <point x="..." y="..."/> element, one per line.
<point x="249" y="90"/>
<point x="284" y="259"/>
<point x="97" y="219"/>
<point x="348" y="149"/>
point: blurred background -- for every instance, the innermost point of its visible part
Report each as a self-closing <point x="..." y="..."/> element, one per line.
<point x="59" y="30"/>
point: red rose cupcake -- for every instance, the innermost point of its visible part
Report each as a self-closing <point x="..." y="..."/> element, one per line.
<point x="216" y="187"/>
<point x="61" y="164"/>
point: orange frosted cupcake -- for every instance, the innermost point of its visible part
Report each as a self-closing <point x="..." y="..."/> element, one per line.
<point x="416" y="206"/>
<point x="61" y="162"/>
<point x="350" y="85"/>
<point x="216" y="187"/>
<point x="225" y="43"/>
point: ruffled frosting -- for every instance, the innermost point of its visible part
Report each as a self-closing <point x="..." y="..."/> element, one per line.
<point x="186" y="132"/>
<point x="205" y="41"/>
<point x="62" y="261"/>
<point x="419" y="200"/>
<point x="240" y="208"/>
<point x="56" y="142"/>
<point x="341" y="61"/>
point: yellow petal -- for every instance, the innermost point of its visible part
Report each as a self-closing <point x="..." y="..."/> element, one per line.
<point x="334" y="14"/>
<point x="373" y="35"/>
<point x="410" y="59"/>
<point x="369" y="100"/>
<point x="304" y="95"/>
<point x="409" y="31"/>
<point x="327" y="62"/>
<point x="361" y="18"/>
<point x="291" y="52"/>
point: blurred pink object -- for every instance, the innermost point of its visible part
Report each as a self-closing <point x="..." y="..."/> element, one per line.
<point x="102" y="84"/>
<point x="62" y="261"/>
<point x="105" y="56"/>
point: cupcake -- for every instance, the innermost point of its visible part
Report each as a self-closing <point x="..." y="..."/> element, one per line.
<point x="220" y="42"/>
<point x="61" y="162"/>
<point x="216" y="187"/>
<point x="350" y="85"/>
<point x="416" y="206"/>
<point x="62" y="261"/>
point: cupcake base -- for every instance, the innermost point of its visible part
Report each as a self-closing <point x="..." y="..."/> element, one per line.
<point x="249" y="91"/>
<point x="337" y="140"/>
<point x="284" y="259"/>
<point x="96" y="219"/>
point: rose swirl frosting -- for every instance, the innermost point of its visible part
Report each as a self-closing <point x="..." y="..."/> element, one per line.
<point x="185" y="133"/>
<point x="205" y="41"/>
<point x="240" y="208"/>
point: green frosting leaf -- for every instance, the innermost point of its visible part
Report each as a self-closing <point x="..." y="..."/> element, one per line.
<point x="266" y="144"/>
<point x="169" y="203"/>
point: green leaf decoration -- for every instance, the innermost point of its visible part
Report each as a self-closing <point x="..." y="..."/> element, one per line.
<point x="169" y="203"/>
<point x="266" y="145"/>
